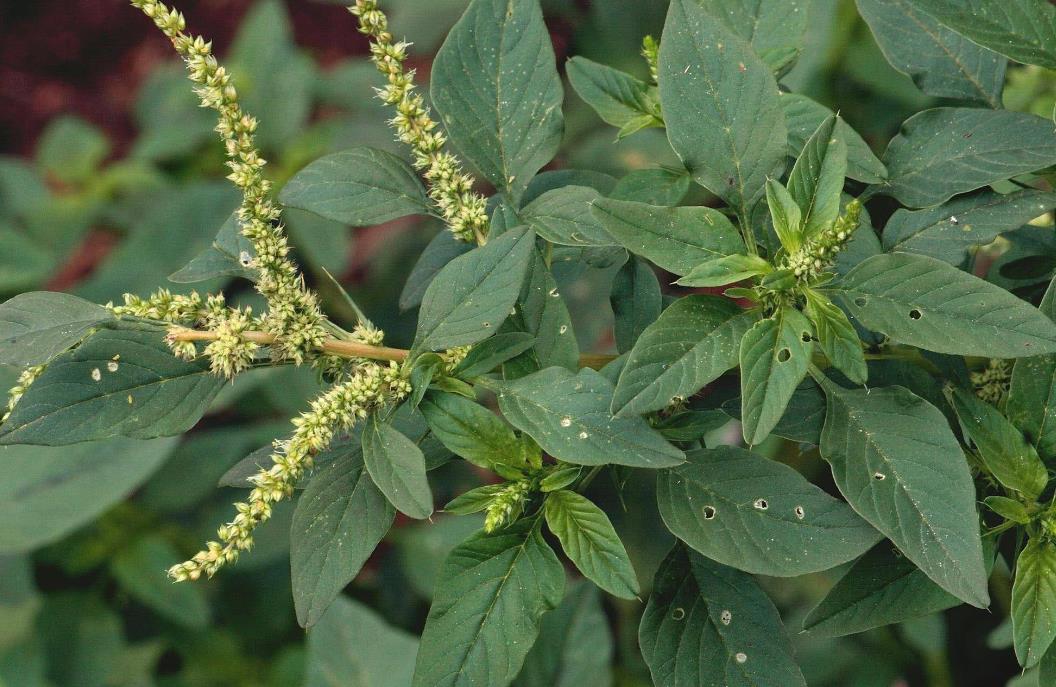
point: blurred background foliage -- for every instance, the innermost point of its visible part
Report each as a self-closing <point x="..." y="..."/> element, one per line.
<point x="112" y="179"/>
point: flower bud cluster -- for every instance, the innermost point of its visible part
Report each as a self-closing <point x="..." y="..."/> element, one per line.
<point x="464" y="211"/>
<point x="28" y="376"/>
<point x="366" y="389"/>
<point x="651" y="53"/>
<point x="293" y="316"/>
<point x="164" y="306"/>
<point x="507" y="505"/>
<point x="992" y="382"/>
<point x="818" y="253"/>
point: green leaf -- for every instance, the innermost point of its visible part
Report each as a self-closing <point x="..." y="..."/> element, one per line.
<point x="694" y="340"/>
<point x="1031" y="403"/>
<point x="45" y="493"/>
<point x="721" y="106"/>
<point x="803" y="116"/>
<point x="37" y="326"/>
<point x="496" y="87"/>
<point x="474" y="500"/>
<point x="927" y="303"/>
<point x="340" y="518"/>
<point x="774" y="357"/>
<point x="590" y="542"/>
<point x="837" y="337"/>
<point x="652" y="186"/>
<point x="786" y="215"/>
<point x="490" y="596"/>
<point x="948" y="231"/>
<point x="575" y="644"/>
<point x="490" y="353"/>
<point x="563" y="216"/>
<point x="1004" y="450"/>
<point x="775" y="30"/>
<point x="1024" y="30"/>
<point x="677" y="239"/>
<point x="541" y="312"/>
<point x="706" y="624"/>
<point x="397" y="466"/>
<point x="816" y="180"/>
<point x="568" y="415"/>
<point x="1034" y="601"/>
<point x="441" y="250"/>
<point x="618" y="98"/>
<point x="71" y="150"/>
<point x="949" y="150"/>
<point x="140" y="571"/>
<point x="359" y="187"/>
<point x="472" y="295"/>
<point x="1009" y="509"/>
<point x="470" y="430"/>
<point x="353" y="646"/>
<point x="897" y="463"/>
<point x="726" y="270"/>
<point x="228" y="256"/>
<point x="883" y="587"/>
<point x="940" y="62"/>
<point x="727" y="502"/>
<point x="636" y="302"/>
<point x="120" y="382"/>
<point x="560" y="478"/>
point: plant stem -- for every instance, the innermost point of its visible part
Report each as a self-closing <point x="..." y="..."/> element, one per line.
<point x="353" y="349"/>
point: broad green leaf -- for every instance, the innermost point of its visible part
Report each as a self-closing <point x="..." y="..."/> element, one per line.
<point x="591" y="543"/>
<point x="883" y="587"/>
<point x="563" y="216"/>
<point x="1031" y="403"/>
<point x="71" y="150"/>
<point x="657" y="186"/>
<point x="472" y="295"/>
<point x="441" y="250"/>
<point x="803" y="418"/>
<point x="949" y="150"/>
<point x="1034" y="601"/>
<point x="758" y="515"/>
<point x="774" y="357"/>
<point x="541" y="312"/>
<point x="721" y="106"/>
<point x="575" y="644"/>
<point x="359" y="187"/>
<point x="553" y="179"/>
<point x="490" y="353"/>
<point x="229" y="256"/>
<point x="677" y="239"/>
<point x="694" y="340"/>
<point x="353" y="646"/>
<point x="817" y="178"/>
<point x="341" y="517"/>
<point x="474" y="500"/>
<point x="726" y="270"/>
<point x="927" y="303"/>
<point x="706" y="624"/>
<point x="397" y="466"/>
<point x="837" y="337"/>
<point x="37" y="326"/>
<point x="775" y="30"/>
<point x="45" y="493"/>
<point x="470" y="430"/>
<point x="1024" y="30"/>
<point x="947" y="232"/>
<point x="120" y="382"/>
<point x="896" y="461"/>
<point x="1009" y="509"/>
<point x="940" y="62"/>
<point x="619" y="99"/>
<point x="636" y="302"/>
<point x="568" y="415"/>
<point x="490" y="597"/>
<point x="496" y="87"/>
<point x="1003" y="448"/>
<point x="786" y="215"/>
<point x="140" y="571"/>
<point x="803" y="116"/>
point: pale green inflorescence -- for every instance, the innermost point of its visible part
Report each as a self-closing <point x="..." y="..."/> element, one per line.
<point x="464" y="211"/>
<point x="507" y="505"/>
<point x="818" y="253"/>
<point x="28" y="376"/>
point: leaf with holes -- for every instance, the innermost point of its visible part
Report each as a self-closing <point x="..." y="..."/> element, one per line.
<point x="896" y="461"/>
<point x="397" y="466"/>
<point x="496" y="87"/>
<point x="757" y="515"/>
<point x="706" y="624"/>
<point x="694" y="340"/>
<point x="568" y="415"/>
<point x="340" y="519"/>
<point x="490" y="597"/>
<point x="927" y="303"/>
<point x="721" y="106"/>
<point x="591" y="543"/>
<point x="37" y="326"/>
<point x="1034" y="601"/>
<point x="774" y="356"/>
